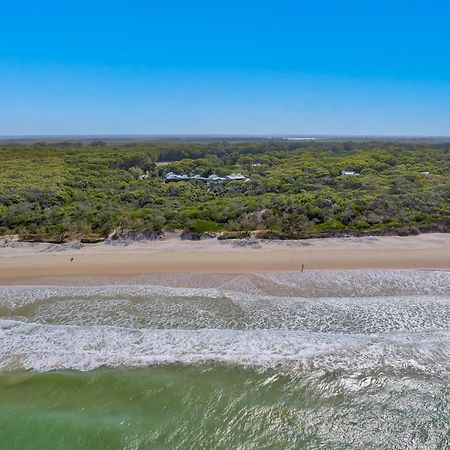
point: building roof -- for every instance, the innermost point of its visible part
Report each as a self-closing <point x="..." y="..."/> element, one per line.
<point x="215" y="178"/>
<point x="236" y="176"/>
<point x="174" y="177"/>
<point x="171" y="176"/>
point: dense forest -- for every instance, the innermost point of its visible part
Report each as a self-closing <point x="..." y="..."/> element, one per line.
<point x="67" y="190"/>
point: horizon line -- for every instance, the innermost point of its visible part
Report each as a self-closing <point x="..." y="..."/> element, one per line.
<point x="220" y="135"/>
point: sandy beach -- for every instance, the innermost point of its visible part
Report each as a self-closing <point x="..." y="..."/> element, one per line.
<point x="27" y="262"/>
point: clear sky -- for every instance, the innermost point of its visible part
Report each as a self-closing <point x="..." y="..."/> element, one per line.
<point x="225" y="67"/>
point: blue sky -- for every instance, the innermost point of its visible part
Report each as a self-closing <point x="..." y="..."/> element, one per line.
<point x="225" y="67"/>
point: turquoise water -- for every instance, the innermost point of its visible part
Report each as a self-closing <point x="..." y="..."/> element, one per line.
<point x="326" y="360"/>
<point x="222" y="407"/>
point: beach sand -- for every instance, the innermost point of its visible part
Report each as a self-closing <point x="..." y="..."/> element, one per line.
<point x="28" y="262"/>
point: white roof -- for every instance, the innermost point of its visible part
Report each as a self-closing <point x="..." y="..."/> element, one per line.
<point x="214" y="177"/>
<point x="236" y="176"/>
<point x="174" y="176"/>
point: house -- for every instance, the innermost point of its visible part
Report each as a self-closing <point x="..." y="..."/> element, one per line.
<point x="198" y="178"/>
<point x="213" y="178"/>
<point x="175" y="177"/>
<point x="235" y="177"/>
<point x="348" y="173"/>
<point x="425" y="174"/>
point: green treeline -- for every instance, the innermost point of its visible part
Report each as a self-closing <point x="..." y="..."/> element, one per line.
<point x="71" y="190"/>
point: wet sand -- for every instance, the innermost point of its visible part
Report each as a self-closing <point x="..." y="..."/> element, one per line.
<point x="25" y="262"/>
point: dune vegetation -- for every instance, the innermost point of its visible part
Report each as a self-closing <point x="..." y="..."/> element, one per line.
<point x="68" y="190"/>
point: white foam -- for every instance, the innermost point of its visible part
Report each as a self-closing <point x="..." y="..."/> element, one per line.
<point x="17" y="296"/>
<point x="328" y="320"/>
<point x="242" y="311"/>
<point x="44" y="347"/>
<point x="310" y="284"/>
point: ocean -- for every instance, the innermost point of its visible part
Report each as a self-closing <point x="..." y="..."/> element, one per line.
<point x="319" y="359"/>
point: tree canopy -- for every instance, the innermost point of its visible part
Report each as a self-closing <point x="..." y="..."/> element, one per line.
<point x="66" y="190"/>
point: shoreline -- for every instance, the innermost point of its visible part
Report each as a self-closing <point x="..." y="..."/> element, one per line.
<point x="30" y="262"/>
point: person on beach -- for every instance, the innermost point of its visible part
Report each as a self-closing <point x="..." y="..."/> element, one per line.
<point x="303" y="268"/>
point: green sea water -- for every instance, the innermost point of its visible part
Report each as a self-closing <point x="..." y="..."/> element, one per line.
<point x="220" y="407"/>
<point x="355" y="360"/>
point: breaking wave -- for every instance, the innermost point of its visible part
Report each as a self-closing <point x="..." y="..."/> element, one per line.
<point x="317" y="321"/>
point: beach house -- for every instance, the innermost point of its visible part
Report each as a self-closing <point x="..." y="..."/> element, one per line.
<point x="213" y="178"/>
<point x="175" y="177"/>
<point x="236" y="177"/>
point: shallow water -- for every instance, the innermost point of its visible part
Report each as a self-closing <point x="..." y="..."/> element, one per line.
<point x="356" y="359"/>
